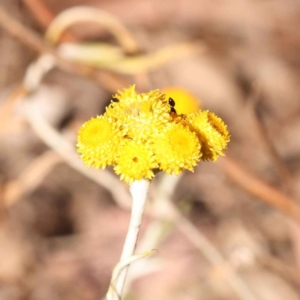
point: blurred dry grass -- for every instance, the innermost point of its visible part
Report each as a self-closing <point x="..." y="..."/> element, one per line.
<point x="62" y="226"/>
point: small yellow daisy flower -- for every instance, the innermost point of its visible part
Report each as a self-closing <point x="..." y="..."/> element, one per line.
<point x="135" y="161"/>
<point x="212" y="133"/>
<point x="141" y="118"/>
<point x="96" y="142"/>
<point x="177" y="148"/>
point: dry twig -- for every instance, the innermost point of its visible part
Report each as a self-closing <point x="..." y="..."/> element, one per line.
<point x="208" y="250"/>
<point x="44" y="16"/>
<point x="260" y="189"/>
<point x="283" y="172"/>
<point x="30" y="39"/>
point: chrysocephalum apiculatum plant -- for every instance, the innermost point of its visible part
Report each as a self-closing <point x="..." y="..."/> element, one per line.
<point x="142" y="134"/>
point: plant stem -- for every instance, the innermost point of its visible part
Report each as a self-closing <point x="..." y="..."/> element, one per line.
<point x="138" y="190"/>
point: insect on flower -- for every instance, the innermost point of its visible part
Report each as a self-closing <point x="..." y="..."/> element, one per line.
<point x="172" y="104"/>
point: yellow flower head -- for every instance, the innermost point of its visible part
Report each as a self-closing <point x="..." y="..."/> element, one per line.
<point x="212" y="133"/>
<point x="139" y="116"/>
<point x="135" y="161"/>
<point x="177" y="148"/>
<point x="96" y="142"/>
<point x="142" y="133"/>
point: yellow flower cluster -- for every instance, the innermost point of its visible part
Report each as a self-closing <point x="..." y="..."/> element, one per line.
<point x="141" y="134"/>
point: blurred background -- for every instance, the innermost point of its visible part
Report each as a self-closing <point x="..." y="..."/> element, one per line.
<point x="230" y="230"/>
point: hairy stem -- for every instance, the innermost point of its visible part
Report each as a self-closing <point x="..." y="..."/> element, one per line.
<point x="138" y="190"/>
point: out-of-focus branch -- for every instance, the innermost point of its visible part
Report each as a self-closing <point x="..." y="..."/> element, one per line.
<point x="259" y="189"/>
<point x="208" y="250"/>
<point x="75" y="15"/>
<point x="31" y="177"/>
<point x="111" y="58"/>
<point x="262" y="131"/>
<point x="58" y="143"/>
<point x="40" y="11"/>
<point x="6" y="109"/>
<point x="31" y="39"/>
<point x="213" y="256"/>
<point x="34" y="42"/>
<point x="55" y="140"/>
<point x="44" y="16"/>
<point x="287" y="181"/>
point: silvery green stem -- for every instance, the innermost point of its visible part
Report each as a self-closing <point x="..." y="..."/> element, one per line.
<point x="138" y="190"/>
